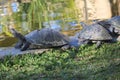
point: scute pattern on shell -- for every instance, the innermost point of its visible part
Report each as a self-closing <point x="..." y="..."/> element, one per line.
<point x="47" y="37"/>
<point x="94" y="32"/>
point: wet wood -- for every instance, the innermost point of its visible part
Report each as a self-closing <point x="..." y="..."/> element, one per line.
<point x="12" y="51"/>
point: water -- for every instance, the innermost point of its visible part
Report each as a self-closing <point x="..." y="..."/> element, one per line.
<point x="0" y="28"/>
<point x="54" y="24"/>
<point x="6" y="41"/>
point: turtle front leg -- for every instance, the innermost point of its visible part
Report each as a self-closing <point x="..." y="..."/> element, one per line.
<point x="18" y="44"/>
<point x="25" y="46"/>
<point x="98" y="44"/>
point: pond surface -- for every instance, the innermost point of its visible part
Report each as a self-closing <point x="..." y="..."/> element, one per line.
<point x="6" y="41"/>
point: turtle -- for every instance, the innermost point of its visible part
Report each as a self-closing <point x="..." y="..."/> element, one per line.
<point x="93" y="33"/>
<point x="43" y="38"/>
<point x="112" y="25"/>
<point x="115" y="24"/>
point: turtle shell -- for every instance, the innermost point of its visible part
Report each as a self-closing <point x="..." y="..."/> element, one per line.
<point x="47" y="37"/>
<point x="94" y="32"/>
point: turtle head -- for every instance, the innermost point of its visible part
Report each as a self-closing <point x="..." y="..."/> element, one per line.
<point x="14" y="32"/>
<point x="17" y="34"/>
<point x="20" y="37"/>
<point x="76" y="42"/>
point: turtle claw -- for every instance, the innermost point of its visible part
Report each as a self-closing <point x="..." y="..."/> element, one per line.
<point x="18" y="45"/>
<point x="25" y="46"/>
<point x="65" y="47"/>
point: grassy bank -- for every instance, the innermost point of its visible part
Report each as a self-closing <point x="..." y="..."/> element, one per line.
<point x="87" y="63"/>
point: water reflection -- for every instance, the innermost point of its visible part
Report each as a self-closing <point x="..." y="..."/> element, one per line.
<point x="54" y="24"/>
<point x="6" y="41"/>
<point x="67" y="27"/>
<point x="0" y="29"/>
<point x="15" y="6"/>
<point x="24" y="26"/>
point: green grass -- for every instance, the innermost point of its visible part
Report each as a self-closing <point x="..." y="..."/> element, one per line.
<point x="87" y="63"/>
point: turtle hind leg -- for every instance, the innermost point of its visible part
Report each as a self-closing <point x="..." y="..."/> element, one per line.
<point x="65" y="47"/>
<point x="25" y="46"/>
<point x="98" y="44"/>
<point x="19" y="44"/>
